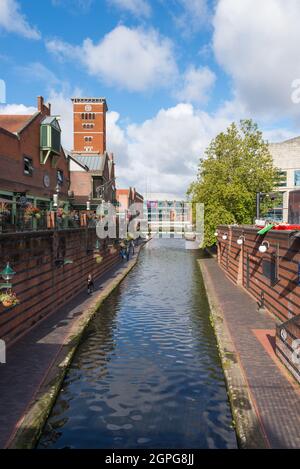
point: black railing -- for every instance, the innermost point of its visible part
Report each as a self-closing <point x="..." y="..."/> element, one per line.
<point x="22" y="223"/>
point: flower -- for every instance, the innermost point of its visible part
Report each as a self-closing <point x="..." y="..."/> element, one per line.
<point x="98" y="259"/>
<point x="9" y="299"/>
<point x="31" y="211"/>
<point x="4" y="209"/>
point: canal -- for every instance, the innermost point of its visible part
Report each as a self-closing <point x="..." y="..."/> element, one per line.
<point x="147" y="373"/>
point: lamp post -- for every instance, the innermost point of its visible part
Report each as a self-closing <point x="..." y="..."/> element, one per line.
<point x="55" y="196"/>
<point x="7" y="275"/>
<point x="240" y="241"/>
<point x="264" y="247"/>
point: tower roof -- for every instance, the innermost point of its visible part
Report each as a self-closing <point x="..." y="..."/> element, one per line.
<point x="90" y="100"/>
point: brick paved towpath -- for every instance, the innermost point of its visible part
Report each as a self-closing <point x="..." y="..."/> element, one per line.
<point x="274" y="398"/>
<point x="28" y="380"/>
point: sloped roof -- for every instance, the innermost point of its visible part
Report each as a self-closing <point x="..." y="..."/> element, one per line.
<point x="92" y="162"/>
<point x="14" y="123"/>
<point x="51" y="120"/>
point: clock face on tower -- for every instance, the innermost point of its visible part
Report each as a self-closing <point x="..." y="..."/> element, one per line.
<point x="88" y="107"/>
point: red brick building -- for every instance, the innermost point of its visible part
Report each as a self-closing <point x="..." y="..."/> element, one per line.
<point x="33" y="165"/>
<point x="127" y="197"/>
<point x="92" y="168"/>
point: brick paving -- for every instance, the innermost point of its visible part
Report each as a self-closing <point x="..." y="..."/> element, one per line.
<point x="29" y="360"/>
<point x="277" y="398"/>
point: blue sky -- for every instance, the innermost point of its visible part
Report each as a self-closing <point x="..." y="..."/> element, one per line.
<point x="174" y="73"/>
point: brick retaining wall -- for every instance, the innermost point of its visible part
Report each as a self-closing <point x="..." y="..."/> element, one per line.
<point x="245" y="265"/>
<point x="41" y="286"/>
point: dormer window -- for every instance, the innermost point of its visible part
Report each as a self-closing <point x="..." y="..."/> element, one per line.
<point x="50" y="140"/>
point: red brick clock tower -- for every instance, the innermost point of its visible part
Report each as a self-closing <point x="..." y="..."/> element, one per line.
<point x="89" y="125"/>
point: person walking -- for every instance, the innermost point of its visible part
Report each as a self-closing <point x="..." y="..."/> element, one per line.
<point x="132" y="246"/>
<point x="127" y="251"/>
<point x="90" y="284"/>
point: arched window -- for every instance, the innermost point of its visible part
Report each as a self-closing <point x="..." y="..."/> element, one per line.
<point x="82" y="115"/>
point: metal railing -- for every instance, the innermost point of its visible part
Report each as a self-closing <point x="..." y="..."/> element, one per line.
<point x="44" y="221"/>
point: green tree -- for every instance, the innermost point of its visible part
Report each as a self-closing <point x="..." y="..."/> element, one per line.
<point x="237" y="164"/>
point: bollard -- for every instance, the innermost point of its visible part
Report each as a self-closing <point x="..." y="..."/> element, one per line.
<point x="261" y="303"/>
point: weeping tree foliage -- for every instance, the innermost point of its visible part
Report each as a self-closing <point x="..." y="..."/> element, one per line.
<point x="236" y="165"/>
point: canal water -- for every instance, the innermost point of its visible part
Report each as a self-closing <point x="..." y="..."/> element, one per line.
<point x="147" y="373"/>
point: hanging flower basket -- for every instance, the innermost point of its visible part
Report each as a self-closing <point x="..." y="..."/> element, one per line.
<point x="9" y="299"/>
<point x="32" y="211"/>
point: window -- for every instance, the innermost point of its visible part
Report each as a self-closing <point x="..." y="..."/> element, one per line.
<point x="60" y="176"/>
<point x="297" y="177"/>
<point x="97" y="189"/>
<point x="28" y="168"/>
<point x="88" y="139"/>
<point x="282" y="179"/>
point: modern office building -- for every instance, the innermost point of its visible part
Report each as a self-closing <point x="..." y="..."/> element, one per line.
<point x="167" y="213"/>
<point x="286" y="157"/>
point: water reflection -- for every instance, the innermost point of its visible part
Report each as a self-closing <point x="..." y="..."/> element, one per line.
<point x="147" y="373"/>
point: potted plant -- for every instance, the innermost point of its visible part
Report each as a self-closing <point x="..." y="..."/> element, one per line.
<point x="9" y="299"/>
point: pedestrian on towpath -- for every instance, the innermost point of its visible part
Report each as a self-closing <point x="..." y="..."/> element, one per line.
<point x="132" y="246"/>
<point x="127" y="251"/>
<point x="90" y="284"/>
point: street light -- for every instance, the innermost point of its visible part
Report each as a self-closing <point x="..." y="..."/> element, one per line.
<point x="7" y="275"/>
<point x="264" y="247"/>
<point x="55" y="196"/>
<point x="240" y="240"/>
<point x="225" y="236"/>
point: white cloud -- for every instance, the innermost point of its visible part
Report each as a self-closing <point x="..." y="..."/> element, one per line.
<point x="195" y="15"/>
<point x="257" y="43"/>
<point x="17" y="109"/>
<point x="140" y="8"/>
<point x="116" y="138"/>
<point x="197" y="83"/>
<point x="61" y="105"/>
<point x="164" y="151"/>
<point x="132" y="59"/>
<point x="37" y="71"/>
<point x="12" y="20"/>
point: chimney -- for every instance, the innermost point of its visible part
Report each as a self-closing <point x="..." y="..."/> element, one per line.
<point x="40" y="103"/>
<point x="49" y="107"/>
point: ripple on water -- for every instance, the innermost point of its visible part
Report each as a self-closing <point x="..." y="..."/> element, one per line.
<point x="147" y="373"/>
